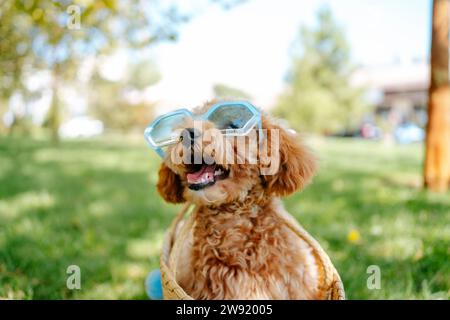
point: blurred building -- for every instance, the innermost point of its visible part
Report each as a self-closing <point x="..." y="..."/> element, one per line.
<point x="398" y="91"/>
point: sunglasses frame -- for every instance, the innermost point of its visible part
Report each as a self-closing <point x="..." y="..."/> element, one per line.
<point x="251" y="123"/>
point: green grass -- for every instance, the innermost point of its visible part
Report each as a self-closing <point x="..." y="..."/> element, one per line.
<point x="94" y="204"/>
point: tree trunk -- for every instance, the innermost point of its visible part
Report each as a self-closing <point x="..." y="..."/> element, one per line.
<point x="437" y="157"/>
<point x="54" y="117"/>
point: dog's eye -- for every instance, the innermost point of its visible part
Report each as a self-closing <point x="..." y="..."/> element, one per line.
<point x="232" y="125"/>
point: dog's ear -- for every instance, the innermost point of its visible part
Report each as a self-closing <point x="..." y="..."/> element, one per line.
<point x="169" y="185"/>
<point x="294" y="164"/>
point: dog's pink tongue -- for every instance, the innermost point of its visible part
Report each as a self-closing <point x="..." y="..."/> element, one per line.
<point x="205" y="174"/>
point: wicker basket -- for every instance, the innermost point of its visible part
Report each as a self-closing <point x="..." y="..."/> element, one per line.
<point x="331" y="285"/>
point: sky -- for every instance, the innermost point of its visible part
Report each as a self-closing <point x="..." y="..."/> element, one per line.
<point x="248" y="46"/>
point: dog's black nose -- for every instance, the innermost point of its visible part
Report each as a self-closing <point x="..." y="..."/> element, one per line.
<point x="188" y="136"/>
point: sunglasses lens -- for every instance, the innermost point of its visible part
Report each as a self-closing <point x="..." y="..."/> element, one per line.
<point x="231" y="116"/>
<point x="168" y="129"/>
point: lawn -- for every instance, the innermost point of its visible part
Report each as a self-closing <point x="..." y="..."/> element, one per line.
<point x="94" y="204"/>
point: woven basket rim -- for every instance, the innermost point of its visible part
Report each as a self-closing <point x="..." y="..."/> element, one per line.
<point x="331" y="285"/>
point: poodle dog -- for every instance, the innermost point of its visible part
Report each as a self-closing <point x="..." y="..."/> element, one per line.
<point x="237" y="247"/>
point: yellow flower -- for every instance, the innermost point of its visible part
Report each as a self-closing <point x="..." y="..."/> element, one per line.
<point x="353" y="236"/>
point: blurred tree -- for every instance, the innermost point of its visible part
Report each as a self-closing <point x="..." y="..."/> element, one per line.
<point x="109" y="101"/>
<point x="222" y="91"/>
<point x="143" y="74"/>
<point x="13" y="52"/>
<point x="319" y="97"/>
<point x="13" y="48"/>
<point x="437" y="158"/>
<point x="57" y="35"/>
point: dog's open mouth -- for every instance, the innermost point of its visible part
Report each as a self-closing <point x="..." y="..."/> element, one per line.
<point x="200" y="176"/>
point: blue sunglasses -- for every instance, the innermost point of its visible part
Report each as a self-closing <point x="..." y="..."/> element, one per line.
<point x="232" y="118"/>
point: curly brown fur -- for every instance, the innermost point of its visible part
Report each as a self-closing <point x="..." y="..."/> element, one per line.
<point x="238" y="247"/>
